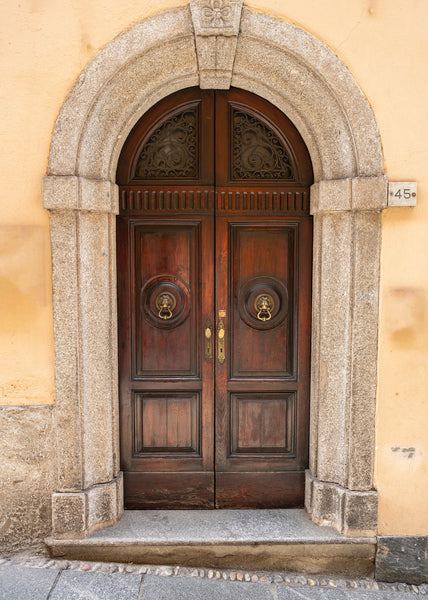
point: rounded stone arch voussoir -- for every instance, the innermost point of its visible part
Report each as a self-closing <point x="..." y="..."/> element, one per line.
<point x="275" y="59"/>
<point x="302" y="76"/>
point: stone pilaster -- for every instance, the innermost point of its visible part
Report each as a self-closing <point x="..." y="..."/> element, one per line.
<point x="86" y="425"/>
<point x="344" y="352"/>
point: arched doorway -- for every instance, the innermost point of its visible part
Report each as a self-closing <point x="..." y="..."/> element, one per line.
<point x="305" y="80"/>
<point x="214" y="299"/>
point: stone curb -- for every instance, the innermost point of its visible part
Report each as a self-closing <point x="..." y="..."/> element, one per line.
<point x="278" y="577"/>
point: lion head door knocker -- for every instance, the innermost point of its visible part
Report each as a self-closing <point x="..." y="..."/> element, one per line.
<point x="165" y="301"/>
<point x="263" y="302"/>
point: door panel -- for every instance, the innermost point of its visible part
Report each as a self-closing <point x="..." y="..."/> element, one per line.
<point x="167" y="423"/>
<point x="166" y="264"/>
<point x="214" y="283"/>
<point x="167" y="395"/>
<point x="261" y="259"/>
<point x="262" y="397"/>
<point x="262" y="424"/>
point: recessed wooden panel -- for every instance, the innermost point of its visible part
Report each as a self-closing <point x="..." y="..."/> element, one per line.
<point x="166" y="423"/>
<point x="166" y="253"/>
<point x="262" y="423"/>
<point x="262" y="251"/>
<point x="260" y="490"/>
<point x="169" y="490"/>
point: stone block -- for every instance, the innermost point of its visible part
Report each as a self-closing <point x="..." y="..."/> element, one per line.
<point x="402" y="558"/>
<point x="327" y="503"/>
<point x="215" y="57"/>
<point x="69" y="514"/>
<point x="309" y="482"/>
<point x="353" y="513"/>
<point x="360" y="510"/>
<point x="334" y="351"/>
<point x="331" y="195"/>
<point x="28" y="466"/>
<point x="99" y="196"/>
<point x="104" y="506"/>
<point x="216" y="30"/>
<point x="79" y="193"/>
<point x="356" y="194"/>
<point x="216" y="18"/>
<point x="26" y="583"/>
<point x="369" y="193"/>
<point x="67" y="429"/>
<point x="77" y="514"/>
<point x="81" y="584"/>
<point x="195" y="588"/>
<point x="60" y="192"/>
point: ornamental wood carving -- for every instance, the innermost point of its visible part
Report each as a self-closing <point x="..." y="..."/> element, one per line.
<point x="257" y="151"/>
<point x="172" y="150"/>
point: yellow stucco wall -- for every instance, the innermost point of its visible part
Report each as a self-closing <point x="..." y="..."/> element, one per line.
<point x="45" y="44"/>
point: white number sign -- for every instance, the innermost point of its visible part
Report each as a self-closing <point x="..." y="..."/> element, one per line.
<point x="402" y="193"/>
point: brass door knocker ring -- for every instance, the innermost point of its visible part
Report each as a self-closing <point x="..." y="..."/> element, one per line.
<point x="264" y="305"/>
<point x="166" y="303"/>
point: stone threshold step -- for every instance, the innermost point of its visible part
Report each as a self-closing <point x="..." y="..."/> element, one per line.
<point x="254" y="539"/>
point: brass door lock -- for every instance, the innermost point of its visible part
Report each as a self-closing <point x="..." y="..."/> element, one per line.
<point x="220" y="342"/>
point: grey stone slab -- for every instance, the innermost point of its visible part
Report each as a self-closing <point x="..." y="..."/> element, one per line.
<point x="186" y="588"/>
<point x="81" y="585"/>
<point x="213" y="526"/>
<point x="318" y="593"/>
<point x="402" y="558"/>
<point x="256" y="539"/>
<point x="25" y="583"/>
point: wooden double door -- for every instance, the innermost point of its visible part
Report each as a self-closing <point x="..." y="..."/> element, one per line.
<point x="214" y="276"/>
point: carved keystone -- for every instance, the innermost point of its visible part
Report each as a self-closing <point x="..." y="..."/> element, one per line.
<point x="216" y="24"/>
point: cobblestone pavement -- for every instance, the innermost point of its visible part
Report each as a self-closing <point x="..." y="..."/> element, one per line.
<point x="38" y="578"/>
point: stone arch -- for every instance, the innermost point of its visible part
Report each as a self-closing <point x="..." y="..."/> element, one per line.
<point x="299" y="74"/>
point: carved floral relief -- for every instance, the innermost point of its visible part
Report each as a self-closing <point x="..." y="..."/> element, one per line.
<point x="216" y="13"/>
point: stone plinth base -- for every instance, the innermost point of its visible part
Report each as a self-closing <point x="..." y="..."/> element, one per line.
<point x="77" y="514"/>
<point x="353" y="513"/>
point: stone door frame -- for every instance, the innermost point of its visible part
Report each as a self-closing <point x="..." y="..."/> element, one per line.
<point x="286" y="65"/>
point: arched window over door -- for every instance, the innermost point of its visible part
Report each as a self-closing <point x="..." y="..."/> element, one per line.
<point x="214" y="279"/>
